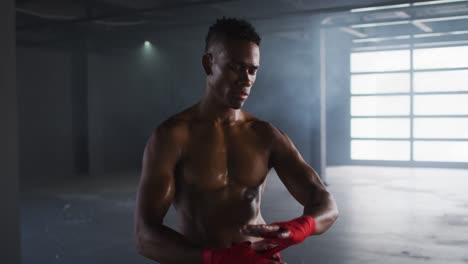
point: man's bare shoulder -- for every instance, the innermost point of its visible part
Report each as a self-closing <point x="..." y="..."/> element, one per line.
<point x="175" y="127"/>
<point x="264" y="128"/>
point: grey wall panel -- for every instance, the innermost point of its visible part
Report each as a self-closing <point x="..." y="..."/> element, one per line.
<point x="79" y="87"/>
<point x="129" y="94"/>
<point x="338" y="97"/>
<point x="45" y="111"/>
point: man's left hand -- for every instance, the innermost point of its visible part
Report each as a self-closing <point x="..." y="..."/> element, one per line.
<point x="265" y="231"/>
<point x="271" y="234"/>
<point x="280" y="235"/>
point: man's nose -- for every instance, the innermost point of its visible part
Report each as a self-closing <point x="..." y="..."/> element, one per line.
<point x="246" y="78"/>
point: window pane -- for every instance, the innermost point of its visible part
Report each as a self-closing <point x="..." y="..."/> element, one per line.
<point x="446" y="57"/>
<point x="441" y="128"/>
<point x="380" y="127"/>
<point x="380" y="150"/>
<point x="380" y="83"/>
<point x="441" y="81"/>
<point x="380" y="105"/>
<point x="448" y="151"/>
<point x="447" y="104"/>
<point x="380" y="61"/>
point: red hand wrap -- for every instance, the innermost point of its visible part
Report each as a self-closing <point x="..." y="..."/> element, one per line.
<point x="238" y="253"/>
<point x="299" y="229"/>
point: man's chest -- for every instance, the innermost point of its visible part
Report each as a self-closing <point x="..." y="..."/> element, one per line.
<point x="217" y="157"/>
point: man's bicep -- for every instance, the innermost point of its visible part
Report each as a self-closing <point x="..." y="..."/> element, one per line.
<point x="157" y="188"/>
<point x="300" y="179"/>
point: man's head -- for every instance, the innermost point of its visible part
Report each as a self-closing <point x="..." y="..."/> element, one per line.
<point x="231" y="61"/>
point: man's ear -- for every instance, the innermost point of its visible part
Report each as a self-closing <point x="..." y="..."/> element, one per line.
<point x="207" y="60"/>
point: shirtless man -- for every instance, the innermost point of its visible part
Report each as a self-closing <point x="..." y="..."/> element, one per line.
<point x="211" y="161"/>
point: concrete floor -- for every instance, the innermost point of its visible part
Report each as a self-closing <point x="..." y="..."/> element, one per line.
<point x="387" y="215"/>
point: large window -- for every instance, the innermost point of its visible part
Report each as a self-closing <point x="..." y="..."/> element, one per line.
<point x="410" y="105"/>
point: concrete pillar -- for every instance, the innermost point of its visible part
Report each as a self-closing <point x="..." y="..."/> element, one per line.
<point x="79" y="86"/>
<point x="9" y="174"/>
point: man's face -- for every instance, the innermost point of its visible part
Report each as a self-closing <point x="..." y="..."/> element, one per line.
<point x="233" y="71"/>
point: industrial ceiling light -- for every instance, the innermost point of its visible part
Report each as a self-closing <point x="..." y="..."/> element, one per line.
<point x="381" y="39"/>
<point x="381" y="24"/>
<point x="436" y="19"/>
<point x="438" y="2"/>
<point x="416" y="22"/>
<point x="374" y="8"/>
<point x="427" y="35"/>
<point x="422" y="26"/>
<point x="353" y="32"/>
<point x="440" y="34"/>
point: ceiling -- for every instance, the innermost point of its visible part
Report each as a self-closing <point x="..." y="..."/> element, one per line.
<point x="415" y="24"/>
<point x="45" y="22"/>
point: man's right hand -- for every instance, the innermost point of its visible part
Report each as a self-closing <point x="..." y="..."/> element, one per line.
<point x="238" y="253"/>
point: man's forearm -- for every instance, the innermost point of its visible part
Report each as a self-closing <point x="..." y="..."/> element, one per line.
<point x="323" y="210"/>
<point x="166" y="246"/>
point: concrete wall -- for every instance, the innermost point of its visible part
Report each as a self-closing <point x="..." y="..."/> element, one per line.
<point x="9" y="228"/>
<point x="287" y="91"/>
<point x="130" y="92"/>
<point x="129" y="95"/>
<point x="45" y="112"/>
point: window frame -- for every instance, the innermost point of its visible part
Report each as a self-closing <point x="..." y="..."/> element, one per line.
<point x="411" y="115"/>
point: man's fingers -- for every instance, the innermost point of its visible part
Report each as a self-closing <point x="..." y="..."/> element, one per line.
<point x="261" y="228"/>
<point x="266" y="231"/>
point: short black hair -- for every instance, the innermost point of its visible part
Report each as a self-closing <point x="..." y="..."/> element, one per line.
<point x="231" y="29"/>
